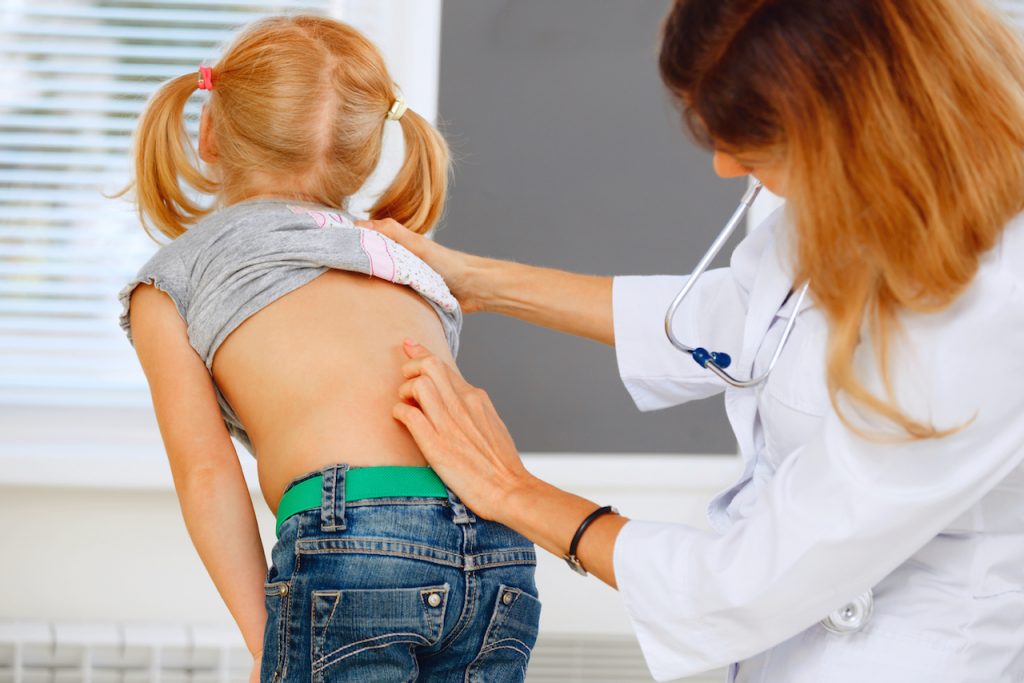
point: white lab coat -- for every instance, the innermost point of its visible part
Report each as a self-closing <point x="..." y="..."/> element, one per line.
<point x="820" y="515"/>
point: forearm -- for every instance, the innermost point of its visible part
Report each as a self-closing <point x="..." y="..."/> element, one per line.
<point x="219" y="515"/>
<point x="568" y="302"/>
<point x="549" y="517"/>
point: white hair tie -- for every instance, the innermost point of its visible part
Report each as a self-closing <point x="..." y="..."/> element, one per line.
<point x="397" y="109"/>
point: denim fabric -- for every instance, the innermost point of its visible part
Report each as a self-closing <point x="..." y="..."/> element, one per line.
<point x="397" y="589"/>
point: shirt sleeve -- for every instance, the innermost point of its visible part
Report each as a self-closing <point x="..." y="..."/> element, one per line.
<point x="844" y="510"/>
<point x="166" y="272"/>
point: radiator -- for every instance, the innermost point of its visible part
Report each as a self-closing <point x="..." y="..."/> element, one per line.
<point x="45" y="652"/>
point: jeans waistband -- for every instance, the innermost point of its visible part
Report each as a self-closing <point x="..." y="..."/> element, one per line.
<point x="320" y="490"/>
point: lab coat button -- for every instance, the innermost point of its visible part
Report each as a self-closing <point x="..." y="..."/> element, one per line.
<point x="852" y="616"/>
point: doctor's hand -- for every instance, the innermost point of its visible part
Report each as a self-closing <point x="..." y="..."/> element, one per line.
<point x="460" y="433"/>
<point x="567" y="302"/>
<point x="455" y="267"/>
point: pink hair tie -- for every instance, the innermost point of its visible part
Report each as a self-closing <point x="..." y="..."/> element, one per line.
<point x="205" y="78"/>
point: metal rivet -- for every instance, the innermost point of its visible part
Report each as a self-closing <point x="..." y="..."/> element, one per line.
<point x="434" y="599"/>
<point x="283" y="590"/>
<point x="507" y="598"/>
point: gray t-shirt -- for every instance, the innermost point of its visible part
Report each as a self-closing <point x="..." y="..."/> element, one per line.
<point x="237" y="260"/>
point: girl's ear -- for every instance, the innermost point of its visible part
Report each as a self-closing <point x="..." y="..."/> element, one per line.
<point x="207" y="143"/>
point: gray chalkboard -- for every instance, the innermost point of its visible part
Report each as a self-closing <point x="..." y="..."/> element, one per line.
<point x="570" y="155"/>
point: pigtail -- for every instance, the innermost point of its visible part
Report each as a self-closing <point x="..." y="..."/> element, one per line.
<point x="164" y="157"/>
<point x="416" y="196"/>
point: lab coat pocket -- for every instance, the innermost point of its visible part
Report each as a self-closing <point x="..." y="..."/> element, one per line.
<point x="999" y="554"/>
<point x="1001" y="589"/>
<point x="898" y="650"/>
<point x="885" y="651"/>
<point x="995" y="618"/>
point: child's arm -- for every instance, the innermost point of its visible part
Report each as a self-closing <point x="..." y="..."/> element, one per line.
<point x="211" y="488"/>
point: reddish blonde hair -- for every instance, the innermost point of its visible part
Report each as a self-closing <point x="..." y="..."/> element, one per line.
<point x="901" y="128"/>
<point x="298" y="107"/>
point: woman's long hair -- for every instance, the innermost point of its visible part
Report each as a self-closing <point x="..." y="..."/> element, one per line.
<point x="299" y="104"/>
<point x="901" y="127"/>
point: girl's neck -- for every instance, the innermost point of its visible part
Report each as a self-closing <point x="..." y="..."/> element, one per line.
<point x="297" y="198"/>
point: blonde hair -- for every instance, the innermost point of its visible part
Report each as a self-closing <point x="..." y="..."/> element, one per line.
<point x="298" y="105"/>
<point x="901" y="126"/>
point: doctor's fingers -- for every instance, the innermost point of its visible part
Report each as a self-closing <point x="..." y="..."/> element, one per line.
<point x="468" y="428"/>
<point x="422" y="362"/>
<point x="423" y="247"/>
<point x="422" y="431"/>
<point x="423" y="393"/>
<point x="389" y="227"/>
<point x="431" y="367"/>
<point x="437" y="449"/>
<point x="448" y="411"/>
<point x="466" y="465"/>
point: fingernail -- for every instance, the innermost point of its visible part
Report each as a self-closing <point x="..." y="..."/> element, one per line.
<point x="409" y="342"/>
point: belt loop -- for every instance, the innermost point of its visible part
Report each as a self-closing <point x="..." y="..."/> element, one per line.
<point x="463" y="515"/>
<point x="332" y="504"/>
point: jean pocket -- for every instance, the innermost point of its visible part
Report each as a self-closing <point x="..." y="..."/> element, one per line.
<point x="509" y="640"/>
<point x="277" y="603"/>
<point x="374" y="631"/>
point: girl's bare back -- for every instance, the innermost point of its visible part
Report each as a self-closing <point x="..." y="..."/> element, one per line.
<point x="315" y="374"/>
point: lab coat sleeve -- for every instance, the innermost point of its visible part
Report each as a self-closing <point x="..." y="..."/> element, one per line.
<point x="655" y="373"/>
<point x="843" y="511"/>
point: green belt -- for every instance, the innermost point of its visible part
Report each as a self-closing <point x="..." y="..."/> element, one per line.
<point x="362" y="483"/>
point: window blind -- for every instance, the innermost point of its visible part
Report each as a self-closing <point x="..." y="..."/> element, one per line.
<point x="76" y="75"/>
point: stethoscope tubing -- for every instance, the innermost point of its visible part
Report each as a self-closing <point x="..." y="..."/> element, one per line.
<point x="854" y="615"/>
<point x="713" y="361"/>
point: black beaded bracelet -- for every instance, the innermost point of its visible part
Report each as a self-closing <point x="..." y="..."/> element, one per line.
<point x="570" y="558"/>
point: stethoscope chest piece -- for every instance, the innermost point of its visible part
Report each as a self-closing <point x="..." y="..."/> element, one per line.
<point x="851" y="617"/>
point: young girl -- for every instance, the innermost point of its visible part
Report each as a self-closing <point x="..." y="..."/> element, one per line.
<point x="273" y="319"/>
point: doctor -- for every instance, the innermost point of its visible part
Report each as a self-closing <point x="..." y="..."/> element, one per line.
<point x="877" y="532"/>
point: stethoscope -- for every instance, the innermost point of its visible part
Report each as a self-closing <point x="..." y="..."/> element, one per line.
<point x="718" y="361"/>
<point x="854" y="615"/>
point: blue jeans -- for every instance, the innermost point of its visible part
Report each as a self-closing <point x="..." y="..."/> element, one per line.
<point x="397" y="589"/>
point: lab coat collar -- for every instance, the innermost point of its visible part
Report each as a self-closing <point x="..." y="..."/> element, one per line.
<point x="770" y="288"/>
